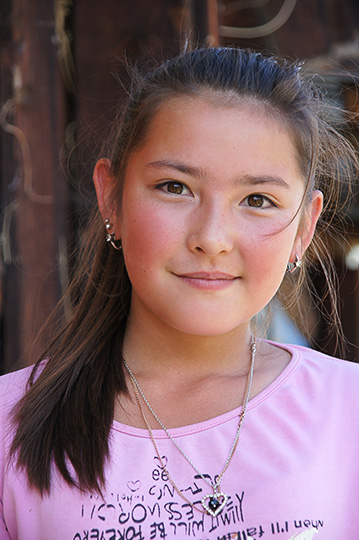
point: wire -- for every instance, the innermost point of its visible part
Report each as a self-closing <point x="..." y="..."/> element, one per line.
<point x="263" y="30"/>
<point x="5" y="238"/>
<point x="26" y="155"/>
<point x="239" y="5"/>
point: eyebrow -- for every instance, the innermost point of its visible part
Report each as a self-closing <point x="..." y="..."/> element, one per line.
<point x="197" y="172"/>
<point x="201" y="174"/>
<point x="257" y="180"/>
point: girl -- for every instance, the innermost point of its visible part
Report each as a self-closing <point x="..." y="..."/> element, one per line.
<point x="158" y="413"/>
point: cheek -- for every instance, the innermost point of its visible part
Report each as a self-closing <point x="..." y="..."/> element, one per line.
<point x="267" y="252"/>
<point x="147" y="235"/>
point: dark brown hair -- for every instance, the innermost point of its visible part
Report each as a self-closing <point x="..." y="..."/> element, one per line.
<point x="66" y="415"/>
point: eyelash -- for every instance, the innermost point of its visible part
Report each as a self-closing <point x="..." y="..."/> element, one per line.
<point x="263" y="198"/>
<point x="182" y="187"/>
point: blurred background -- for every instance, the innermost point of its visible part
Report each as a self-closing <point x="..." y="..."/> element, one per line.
<point x="60" y="72"/>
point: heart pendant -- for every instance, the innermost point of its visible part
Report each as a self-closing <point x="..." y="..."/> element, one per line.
<point x="214" y="503"/>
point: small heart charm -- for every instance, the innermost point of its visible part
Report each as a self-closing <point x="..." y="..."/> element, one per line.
<point x="214" y="503"/>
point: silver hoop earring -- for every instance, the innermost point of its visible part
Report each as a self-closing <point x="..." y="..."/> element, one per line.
<point x="110" y="236"/>
<point x="292" y="266"/>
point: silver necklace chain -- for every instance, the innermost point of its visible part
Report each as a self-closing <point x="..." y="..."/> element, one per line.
<point x="215" y="486"/>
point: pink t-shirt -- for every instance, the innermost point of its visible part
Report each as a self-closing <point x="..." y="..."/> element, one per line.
<point x="295" y="474"/>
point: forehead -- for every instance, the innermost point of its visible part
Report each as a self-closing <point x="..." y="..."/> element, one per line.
<point x="216" y="130"/>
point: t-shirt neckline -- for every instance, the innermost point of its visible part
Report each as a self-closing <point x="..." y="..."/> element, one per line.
<point x="293" y="350"/>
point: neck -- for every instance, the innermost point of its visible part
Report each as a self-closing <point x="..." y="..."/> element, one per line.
<point x="152" y="349"/>
<point x="180" y="373"/>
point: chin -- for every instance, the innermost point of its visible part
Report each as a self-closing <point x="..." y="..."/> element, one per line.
<point x="209" y="330"/>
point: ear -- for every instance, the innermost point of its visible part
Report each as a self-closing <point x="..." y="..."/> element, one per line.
<point x="307" y="225"/>
<point x="104" y="182"/>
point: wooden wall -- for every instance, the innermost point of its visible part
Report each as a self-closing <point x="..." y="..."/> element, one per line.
<point x="57" y="93"/>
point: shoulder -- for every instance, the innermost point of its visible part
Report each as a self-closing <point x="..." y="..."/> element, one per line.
<point x="13" y="386"/>
<point x="316" y="359"/>
<point x="15" y="381"/>
<point x="323" y="375"/>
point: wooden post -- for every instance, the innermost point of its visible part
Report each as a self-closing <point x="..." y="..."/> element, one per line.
<point x="35" y="120"/>
<point x="212" y="10"/>
<point x="205" y="20"/>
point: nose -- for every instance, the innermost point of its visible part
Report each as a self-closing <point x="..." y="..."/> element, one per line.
<point x="210" y="230"/>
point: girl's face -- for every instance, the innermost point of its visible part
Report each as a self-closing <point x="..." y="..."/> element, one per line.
<point x="208" y="220"/>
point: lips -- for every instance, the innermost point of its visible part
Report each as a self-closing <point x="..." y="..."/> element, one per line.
<point x="208" y="280"/>
<point x="209" y="275"/>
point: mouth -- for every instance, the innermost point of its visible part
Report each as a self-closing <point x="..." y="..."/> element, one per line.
<point x="208" y="280"/>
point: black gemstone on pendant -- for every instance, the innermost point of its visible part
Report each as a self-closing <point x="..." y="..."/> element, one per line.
<point x="213" y="503"/>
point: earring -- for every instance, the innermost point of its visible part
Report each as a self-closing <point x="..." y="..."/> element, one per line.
<point x="292" y="266"/>
<point x="110" y="236"/>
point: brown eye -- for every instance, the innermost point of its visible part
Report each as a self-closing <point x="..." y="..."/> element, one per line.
<point x="175" y="187"/>
<point x="256" y="200"/>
